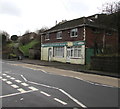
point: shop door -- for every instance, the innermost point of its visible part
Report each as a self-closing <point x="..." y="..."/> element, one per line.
<point x="68" y="54"/>
<point x="49" y="54"/>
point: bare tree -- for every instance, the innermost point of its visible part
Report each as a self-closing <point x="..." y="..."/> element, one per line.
<point x="111" y="7"/>
<point x="41" y="30"/>
<point x="27" y="31"/>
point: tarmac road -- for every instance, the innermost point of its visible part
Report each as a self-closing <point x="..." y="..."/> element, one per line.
<point x="25" y="85"/>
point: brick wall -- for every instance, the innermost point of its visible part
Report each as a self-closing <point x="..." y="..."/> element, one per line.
<point x="92" y="36"/>
<point x="65" y="36"/>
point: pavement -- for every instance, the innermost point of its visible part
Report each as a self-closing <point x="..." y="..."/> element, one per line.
<point x="67" y="66"/>
<point x="76" y="71"/>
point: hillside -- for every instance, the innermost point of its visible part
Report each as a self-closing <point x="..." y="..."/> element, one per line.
<point x="25" y="48"/>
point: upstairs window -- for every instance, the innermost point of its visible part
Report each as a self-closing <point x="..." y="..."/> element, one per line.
<point x="109" y="33"/>
<point x="59" y="35"/>
<point x="47" y="36"/>
<point x="95" y="30"/>
<point x="74" y="32"/>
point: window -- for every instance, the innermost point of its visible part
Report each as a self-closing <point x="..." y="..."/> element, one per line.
<point x="74" y="32"/>
<point x="95" y="30"/>
<point x="109" y="33"/>
<point x="59" y="35"/>
<point x="47" y="36"/>
<point x="76" y="52"/>
<point x="58" y="51"/>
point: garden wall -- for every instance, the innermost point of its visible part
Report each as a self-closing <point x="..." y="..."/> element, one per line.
<point x="108" y="64"/>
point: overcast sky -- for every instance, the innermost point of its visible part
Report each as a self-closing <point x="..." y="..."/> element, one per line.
<point x="17" y="16"/>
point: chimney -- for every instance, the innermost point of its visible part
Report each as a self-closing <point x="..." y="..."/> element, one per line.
<point x="84" y="20"/>
<point x="56" y="22"/>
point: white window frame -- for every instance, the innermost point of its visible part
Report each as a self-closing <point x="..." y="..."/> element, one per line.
<point x="75" y="51"/>
<point x="47" y="36"/>
<point x="74" y="32"/>
<point x="59" y="35"/>
<point x="58" y="52"/>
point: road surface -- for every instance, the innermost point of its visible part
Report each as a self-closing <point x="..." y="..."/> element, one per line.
<point x="25" y="85"/>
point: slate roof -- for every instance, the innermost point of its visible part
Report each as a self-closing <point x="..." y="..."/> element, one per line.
<point x="93" y="21"/>
<point x="68" y="24"/>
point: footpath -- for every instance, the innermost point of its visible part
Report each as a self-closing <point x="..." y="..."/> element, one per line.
<point x="76" y="71"/>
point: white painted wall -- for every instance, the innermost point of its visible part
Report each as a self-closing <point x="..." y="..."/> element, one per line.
<point x="44" y="56"/>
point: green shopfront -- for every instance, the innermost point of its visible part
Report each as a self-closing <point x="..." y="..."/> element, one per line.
<point x="71" y="52"/>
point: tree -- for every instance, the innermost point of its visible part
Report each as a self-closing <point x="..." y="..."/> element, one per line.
<point x="41" y="30"/>
<point x="4" y="37"/>
<point x="14" y="37"/>
<point x="27" y="31"/>
<point x="113" y="9"/>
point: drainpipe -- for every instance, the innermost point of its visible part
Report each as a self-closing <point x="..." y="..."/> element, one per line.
<point x="41" y="38"/>
<point x="84" y="36"/>
<point x="103" y="41"/>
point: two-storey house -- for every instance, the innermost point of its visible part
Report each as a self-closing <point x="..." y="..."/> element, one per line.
<point x="75" y="41"/>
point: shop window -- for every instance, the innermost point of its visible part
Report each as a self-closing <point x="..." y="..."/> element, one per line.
<point x="76" y="52"/>
<point x="58" y="51"/>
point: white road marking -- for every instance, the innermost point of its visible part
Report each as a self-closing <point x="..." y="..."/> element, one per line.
<point x="90" y="82"/>
<point x="23" y="78"/>
<point x="24" y="84"/>
<point x="35" y="89"/>
<point x="66" y="76"/>
<point x="4" y="79"/>
<point x="60" y="101"/>
<point x="45" y="93"/>
<point x="75" y="100"/>
<point x="44" y="85"/>
<point x="78" y="78"/>
<point x="43" y="71"/>
<point x="104" y="85"/>
<point x="61" y="89"/>
<point x="68" y="95"/>
<point x="4" y="74"/>
<point x="93" y="83"/>
<point x="18" y="81"/>
<point x="21" y="99"/>
<point x="8" y="82"/>
<point x="12" y="78"/>
<point x="21" y="90"/>
<point x="32" y="88"/>
<point x="35" y="69"/>
<point x="0" y="77"/>
<point x="8" y="76"/>
<point x="14" y="86"/>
